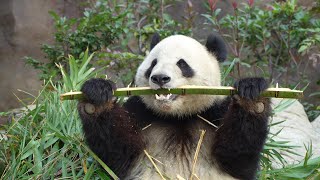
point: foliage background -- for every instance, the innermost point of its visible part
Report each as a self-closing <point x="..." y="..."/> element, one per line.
<point x="275" y="40"/>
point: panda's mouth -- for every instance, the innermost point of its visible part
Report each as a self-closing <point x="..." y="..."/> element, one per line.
<point x="166" y="97"/>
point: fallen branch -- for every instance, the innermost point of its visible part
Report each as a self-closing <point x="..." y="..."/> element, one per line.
<point x="208" y="90"/>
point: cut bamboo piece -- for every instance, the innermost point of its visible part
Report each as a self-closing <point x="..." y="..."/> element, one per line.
<point x="183" y="90"/>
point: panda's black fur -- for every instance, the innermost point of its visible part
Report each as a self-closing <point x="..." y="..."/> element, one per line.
<point x="116" y="133"/>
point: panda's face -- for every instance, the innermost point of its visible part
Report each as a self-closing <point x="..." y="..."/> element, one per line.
<point x="176" y="61"/>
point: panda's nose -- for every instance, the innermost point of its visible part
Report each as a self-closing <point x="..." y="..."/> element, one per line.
<point x="160" y="79"/>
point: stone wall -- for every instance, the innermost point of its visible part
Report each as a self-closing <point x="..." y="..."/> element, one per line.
<point x="24" y="26"/>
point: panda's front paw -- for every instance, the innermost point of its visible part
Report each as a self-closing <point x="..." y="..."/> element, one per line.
<point x="250" y="88"/>
<point x="98" y="91"/>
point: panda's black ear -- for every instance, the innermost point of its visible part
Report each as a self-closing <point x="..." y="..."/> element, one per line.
<point x="216" y="45"/>
<point x="155" y="40"/>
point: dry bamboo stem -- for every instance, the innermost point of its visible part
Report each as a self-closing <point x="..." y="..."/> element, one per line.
<point x="195" y="158"/>
<point x="154" y="165"/>
<point x="208" y="90"/>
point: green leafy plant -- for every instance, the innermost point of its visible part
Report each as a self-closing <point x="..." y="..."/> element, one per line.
<point x="273" y="38"/>
<point x="100" y="26"/>
<point x="313" y="111"/>
<point x="78" y="73"/>
<point x="47" y="141"/>
<point x="105" y="23"/>
<point x="307" y="169"/>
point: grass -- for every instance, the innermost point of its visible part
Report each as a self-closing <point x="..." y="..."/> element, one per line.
<point x="46" y="142"/>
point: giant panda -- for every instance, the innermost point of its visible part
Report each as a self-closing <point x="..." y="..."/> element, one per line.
<point x="167" y="126"/>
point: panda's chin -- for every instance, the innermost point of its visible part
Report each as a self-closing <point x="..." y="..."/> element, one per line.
<point x="164" y="102"/>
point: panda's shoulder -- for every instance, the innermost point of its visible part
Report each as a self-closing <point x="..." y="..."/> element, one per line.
<point x="218" y="108"/>
<point x="135" y="106"/>
<point x="134" y="103"/>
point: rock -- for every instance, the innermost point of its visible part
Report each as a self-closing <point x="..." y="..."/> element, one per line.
<point x="24" y="26"/>
<point x="316" y="124"/>
<point x="15" y="114"/>
<point x="296" y="129"/>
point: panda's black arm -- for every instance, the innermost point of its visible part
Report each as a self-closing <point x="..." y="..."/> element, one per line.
<point x="241" y="135"/>
<point x="109" y="129"/>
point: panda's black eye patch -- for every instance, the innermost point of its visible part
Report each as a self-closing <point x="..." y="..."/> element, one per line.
<point x="149" y="70"/>
<point x="186" y="70"/>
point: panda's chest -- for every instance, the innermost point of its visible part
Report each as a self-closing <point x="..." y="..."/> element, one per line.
<point x="165" y="141"/>
<point x="173" y="148"/>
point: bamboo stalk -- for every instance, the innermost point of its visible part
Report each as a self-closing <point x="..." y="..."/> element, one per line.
<point x="183" y="90"/>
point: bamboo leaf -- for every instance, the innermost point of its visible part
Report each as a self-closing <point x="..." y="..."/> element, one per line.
<point x="89" y="172"/>
<point x="283" y="105"/>
<point x="50" y="142"/>
<point x="105" y="167"/>
<point x="85" y="63"/>
<point x="64" y="168"/>
<point x="37" y="157"/>
<point x="103" y="175"/>
<point x="73" y="70"/>
<point x="299" y="172"/>
<point x="28" y="150"/>
<point x="227" y="72"/>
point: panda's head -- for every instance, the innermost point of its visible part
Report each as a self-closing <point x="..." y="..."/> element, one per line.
<point x="176" y="61"/>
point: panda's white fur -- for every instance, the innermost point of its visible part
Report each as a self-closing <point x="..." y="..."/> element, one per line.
<point x="178" y="162"/>
<point x="168" y="52"/>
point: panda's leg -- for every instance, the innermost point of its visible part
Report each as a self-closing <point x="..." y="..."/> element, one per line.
<point x="108" y="128"/>
<point x="240" y="138"/>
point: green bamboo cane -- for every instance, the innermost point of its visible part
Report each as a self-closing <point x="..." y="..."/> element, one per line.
<point x="205" y="90"/>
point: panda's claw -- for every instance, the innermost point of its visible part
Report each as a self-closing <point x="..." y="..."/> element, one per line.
<point x="251" y="88"/>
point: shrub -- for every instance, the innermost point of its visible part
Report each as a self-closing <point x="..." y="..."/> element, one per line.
<point x="107" y="28"/>
<point x="270" y="40"/>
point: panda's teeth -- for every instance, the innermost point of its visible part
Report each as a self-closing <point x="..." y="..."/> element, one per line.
<point x="157" y="96"/>
<point x="162" y="96"/>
